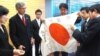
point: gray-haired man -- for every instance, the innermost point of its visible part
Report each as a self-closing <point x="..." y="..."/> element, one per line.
<point x="20" y="29"/>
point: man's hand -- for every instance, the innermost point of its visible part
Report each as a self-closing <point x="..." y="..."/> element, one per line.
<point x="32" y="41"/>
<point x="72" y="27"/>
<point x="18" y="52"/>
<point x="79" y="14"/>
<point x="21" y="47"/>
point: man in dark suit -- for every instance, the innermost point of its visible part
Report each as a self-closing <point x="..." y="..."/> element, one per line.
<point x="21" y="29"/>
<point x="5" y="48"/>
<point x="89" y="39"/>
<point x="36" y="26"/>
<point x="84" y="14"/>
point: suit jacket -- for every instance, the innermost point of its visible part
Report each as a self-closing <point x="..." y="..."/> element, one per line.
<point x="5" y="48"/>
<point x="78" y="20"/>
<point x="36" y="28"/>
<point x="90" y="39"/>
<point x="20" y="34"/>
<point x="83" y="26"/>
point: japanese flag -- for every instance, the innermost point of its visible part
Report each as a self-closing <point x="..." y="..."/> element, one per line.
<point x="56" y="34"/>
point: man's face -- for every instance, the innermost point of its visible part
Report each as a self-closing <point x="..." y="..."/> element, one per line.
<point x="92" y="14"/>
<point x="84" y="14"/>
<point x="22" y="10"/>
<point x="63" y="11"/>
<point x="3" y="18"/>
<point x="38" y="15"/>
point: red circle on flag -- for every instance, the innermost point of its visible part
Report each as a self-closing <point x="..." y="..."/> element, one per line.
<point x="59" y="33"/>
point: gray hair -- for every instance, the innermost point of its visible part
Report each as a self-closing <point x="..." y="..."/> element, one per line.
<point x="19" y="4"/>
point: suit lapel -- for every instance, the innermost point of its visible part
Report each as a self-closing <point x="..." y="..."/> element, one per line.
<point x="40" y="23"/>
<point x="27" y="20"/>
<point x="20" y="21"/>
<point x="3" y="33"/>
<point x="37" y="23"/>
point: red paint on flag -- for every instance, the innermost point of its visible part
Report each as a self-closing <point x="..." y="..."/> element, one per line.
<point x="59" y="33"/>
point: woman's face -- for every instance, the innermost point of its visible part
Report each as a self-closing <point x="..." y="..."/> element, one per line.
<point x="3" y="18"/>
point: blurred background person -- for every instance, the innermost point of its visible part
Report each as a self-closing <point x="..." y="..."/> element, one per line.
<point x="36" y="24"/>
<point x="63" y="11"/>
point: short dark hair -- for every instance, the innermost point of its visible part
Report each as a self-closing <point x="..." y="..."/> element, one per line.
<point x="64" y="5"/>
<point x="85" y="8"/>
<point x="95" y="7"/>
<point x="38" y="10"/>
<point x="3" y="10"/>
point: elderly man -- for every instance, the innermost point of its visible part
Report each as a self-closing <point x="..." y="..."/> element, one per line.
<point x="20" y="29"/>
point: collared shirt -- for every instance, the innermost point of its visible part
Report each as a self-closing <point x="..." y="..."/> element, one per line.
<point x="87" y="19"/>
<point x="20" y="16"/>
<point x="38" y="21"/>
<point x="1" y="28"/>
<point x="78" y="26"/>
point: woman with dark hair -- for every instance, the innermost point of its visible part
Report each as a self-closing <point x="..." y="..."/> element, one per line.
<point x="5" y="48"/>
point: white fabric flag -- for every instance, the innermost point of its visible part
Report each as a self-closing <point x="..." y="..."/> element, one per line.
<point x="33" y="50"/>
<point x="56" y="34"/>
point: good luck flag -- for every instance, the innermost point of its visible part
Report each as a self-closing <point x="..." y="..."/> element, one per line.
<point x="56" y="34"/>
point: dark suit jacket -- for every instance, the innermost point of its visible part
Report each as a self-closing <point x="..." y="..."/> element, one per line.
<point x="36" y="28"/>
<point x="83" y="27"/>
<point x="19" y="33"/>
<point x="90" y="39"/>
<point x="5" y="48"/>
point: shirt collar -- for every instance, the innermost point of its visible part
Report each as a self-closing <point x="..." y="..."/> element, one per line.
<point x="87" y="19"/>
<point x="37" y="19"/>
<point x="20" y="15"/>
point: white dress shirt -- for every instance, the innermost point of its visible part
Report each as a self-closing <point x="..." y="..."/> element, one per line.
<point x="1" y="28"/>
<point x="20" y="16"/>
<point x="38" y="21"/>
